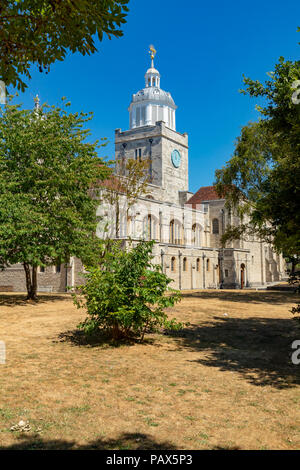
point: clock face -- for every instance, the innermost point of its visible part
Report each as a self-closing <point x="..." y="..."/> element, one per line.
<point x="176" y="158"/>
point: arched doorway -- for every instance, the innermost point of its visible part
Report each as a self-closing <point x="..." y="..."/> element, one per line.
<point x="242" y="276"/>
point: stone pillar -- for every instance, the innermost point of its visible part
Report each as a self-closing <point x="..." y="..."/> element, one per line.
<point x="148" y="114"/>
<point x="165" y="114"/>
<point x="203" y="267"/>
<point x="133" y="111"/>
<point x="263" y="265"/>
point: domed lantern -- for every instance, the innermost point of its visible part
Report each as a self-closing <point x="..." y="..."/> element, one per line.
<point x="152" y="104"/>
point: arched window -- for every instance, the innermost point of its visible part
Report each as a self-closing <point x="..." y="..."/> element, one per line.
<point x="184" y="264"/>
<point x="215" y="226"/>
<point x="196" y="235"/>
<point x="175" y="232"/>
<point x="198" y="264"/>
<point x="173" y="263"/>
<point x="153" y="81"/>
<point x="207" y="265"/>
<point x="150" y="227"/>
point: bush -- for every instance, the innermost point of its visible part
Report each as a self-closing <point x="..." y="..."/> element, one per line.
<point x="127" y="294"/>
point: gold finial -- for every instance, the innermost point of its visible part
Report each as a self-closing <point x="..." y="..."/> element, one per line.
<point x="152" y="53"/>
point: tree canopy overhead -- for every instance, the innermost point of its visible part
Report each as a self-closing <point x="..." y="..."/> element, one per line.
<point x="43" y="31"/>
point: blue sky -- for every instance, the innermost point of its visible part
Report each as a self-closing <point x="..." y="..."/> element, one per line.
<point x="204" y="48"/>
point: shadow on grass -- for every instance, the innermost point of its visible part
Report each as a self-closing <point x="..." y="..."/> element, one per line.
<point x="257" y="348"/>
<point x="126" y="441"/>
<point x="99" y="339"/>
<point x="11" y="300"/>
<point x="257" y="297"/>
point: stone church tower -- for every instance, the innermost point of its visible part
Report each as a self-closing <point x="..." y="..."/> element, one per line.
<point x="152" y="135"/>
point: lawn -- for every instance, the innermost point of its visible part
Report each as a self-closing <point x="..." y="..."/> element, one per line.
<point x="225" y="382"/>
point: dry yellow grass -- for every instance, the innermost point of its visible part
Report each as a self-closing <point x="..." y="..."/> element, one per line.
<point x="225" y="382"/>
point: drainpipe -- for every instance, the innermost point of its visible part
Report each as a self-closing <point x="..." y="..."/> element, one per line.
<point x="162" y="259"/>
<point x="150" y="167"/>
<point x="160" y="227"/>
<point x="223" y="221"/>
<point x="123" y="158"/>
<point x="221" y="267"/>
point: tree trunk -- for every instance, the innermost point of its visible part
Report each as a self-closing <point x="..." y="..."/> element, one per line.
<point x="31" y="281"/>
<point x="34" y="283"/>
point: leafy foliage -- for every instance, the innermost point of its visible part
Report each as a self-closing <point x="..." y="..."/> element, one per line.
<point x="262" y="179"/>
<point x="127" y="294"/>
<point x="47" y="170"/>
<point x="122" y="189"/>
<point x="294" y="280"/>
<point x="43" y="31"/>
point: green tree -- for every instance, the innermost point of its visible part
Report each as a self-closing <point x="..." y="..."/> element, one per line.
<point x="43" y="31"/>
<point x="126" y="295"/>
<point x="262" y="179"/>
<point x="47" y="200"/>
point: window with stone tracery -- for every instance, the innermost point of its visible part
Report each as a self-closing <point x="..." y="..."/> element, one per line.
<point x="176" y="235"/>
<point x="196" y="235"/>
<point x="150" y="227"/>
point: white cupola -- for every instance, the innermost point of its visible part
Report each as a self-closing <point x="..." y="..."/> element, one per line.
<point x="152" y="104"/>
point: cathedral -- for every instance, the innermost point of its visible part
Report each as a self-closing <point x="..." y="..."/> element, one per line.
<point x="186" y="227"/>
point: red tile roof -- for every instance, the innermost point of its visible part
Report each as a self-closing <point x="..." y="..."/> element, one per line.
<point x="206" y="193"/>
<point x="113" y="183"/>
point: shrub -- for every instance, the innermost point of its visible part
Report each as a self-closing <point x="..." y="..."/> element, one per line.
<point x="127" y="294"/>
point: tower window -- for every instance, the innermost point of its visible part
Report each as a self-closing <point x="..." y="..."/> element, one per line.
<point x="138" y="154"/>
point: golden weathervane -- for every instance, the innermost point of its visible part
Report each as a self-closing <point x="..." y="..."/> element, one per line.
<point x="152" y="53"/>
